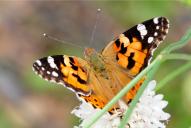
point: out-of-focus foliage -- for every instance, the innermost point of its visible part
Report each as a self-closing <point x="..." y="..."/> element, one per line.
<point x="186" y="93"/>
<point x="188" y="2"/>
<point x="28" y="101"/>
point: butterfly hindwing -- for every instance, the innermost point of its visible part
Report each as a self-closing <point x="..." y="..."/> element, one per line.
<point x="65" y="70"/>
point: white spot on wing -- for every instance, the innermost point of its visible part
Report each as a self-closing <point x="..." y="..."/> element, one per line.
<point x="51" y="62"/>
<point x="52" y="80"/>
<point x="156" y="20"/>
<point x="144" y="32"/>
<point x="48" y="72"/>
<point x="168" y="25"/>
<point x="155" y="34"/>
<point x="43" y="68"/>
<point x="39" y="63"/>
<point x="46" y="79"/>
<point x="166" y="30"/>
<point x="150" y="39"/>
<point x="55" y="74"/>
<point x="35" y="72"/>
<point x="157" y="27"/>
<point x="61" y="83"/>
<point x="142" y="29"/>
<point x="67" y="61"/>
<point x="40" y="76"/>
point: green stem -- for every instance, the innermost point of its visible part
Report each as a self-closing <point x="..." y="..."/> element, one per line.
<point x="132" y="105"/>
<point x="177" y="45"/>
<point x="120" y="94"/>
<point x="173" y="75"/>
<point x="178" y="56"/>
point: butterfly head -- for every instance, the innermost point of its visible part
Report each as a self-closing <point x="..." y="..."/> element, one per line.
<point x="88" y="52"/>
<point x="91" y="56"/>
<point x="94" y="60"/>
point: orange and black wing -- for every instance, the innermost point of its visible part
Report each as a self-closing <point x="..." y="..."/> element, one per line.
<point x="131" y="52"/>
<point x="73" y="73"/>
<point x="65" y="70"/>
<point x="133" y="49"/>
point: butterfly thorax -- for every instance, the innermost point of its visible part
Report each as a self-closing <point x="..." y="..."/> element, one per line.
<point x="96" y="62"/>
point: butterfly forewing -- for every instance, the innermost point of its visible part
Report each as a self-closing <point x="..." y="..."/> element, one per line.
<point x="133" y="49"/>
<point x="65" y="70"/>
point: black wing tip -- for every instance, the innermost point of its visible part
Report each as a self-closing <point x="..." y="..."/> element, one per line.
<point x="47" y="69"/>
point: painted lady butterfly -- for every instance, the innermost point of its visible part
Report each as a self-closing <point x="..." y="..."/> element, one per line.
<point x="100" y="76"/>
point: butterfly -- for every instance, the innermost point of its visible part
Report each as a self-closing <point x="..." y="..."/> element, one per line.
<point x="98" y="77"/>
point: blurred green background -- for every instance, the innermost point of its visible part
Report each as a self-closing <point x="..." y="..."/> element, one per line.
<point x="27" y="101"/>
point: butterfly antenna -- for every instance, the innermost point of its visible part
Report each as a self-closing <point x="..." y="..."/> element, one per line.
<point x="95" y="26"/>
<point x="60" y="41"/>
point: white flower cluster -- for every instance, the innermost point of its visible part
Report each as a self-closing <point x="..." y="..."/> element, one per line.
<point x="148" y="112"/>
